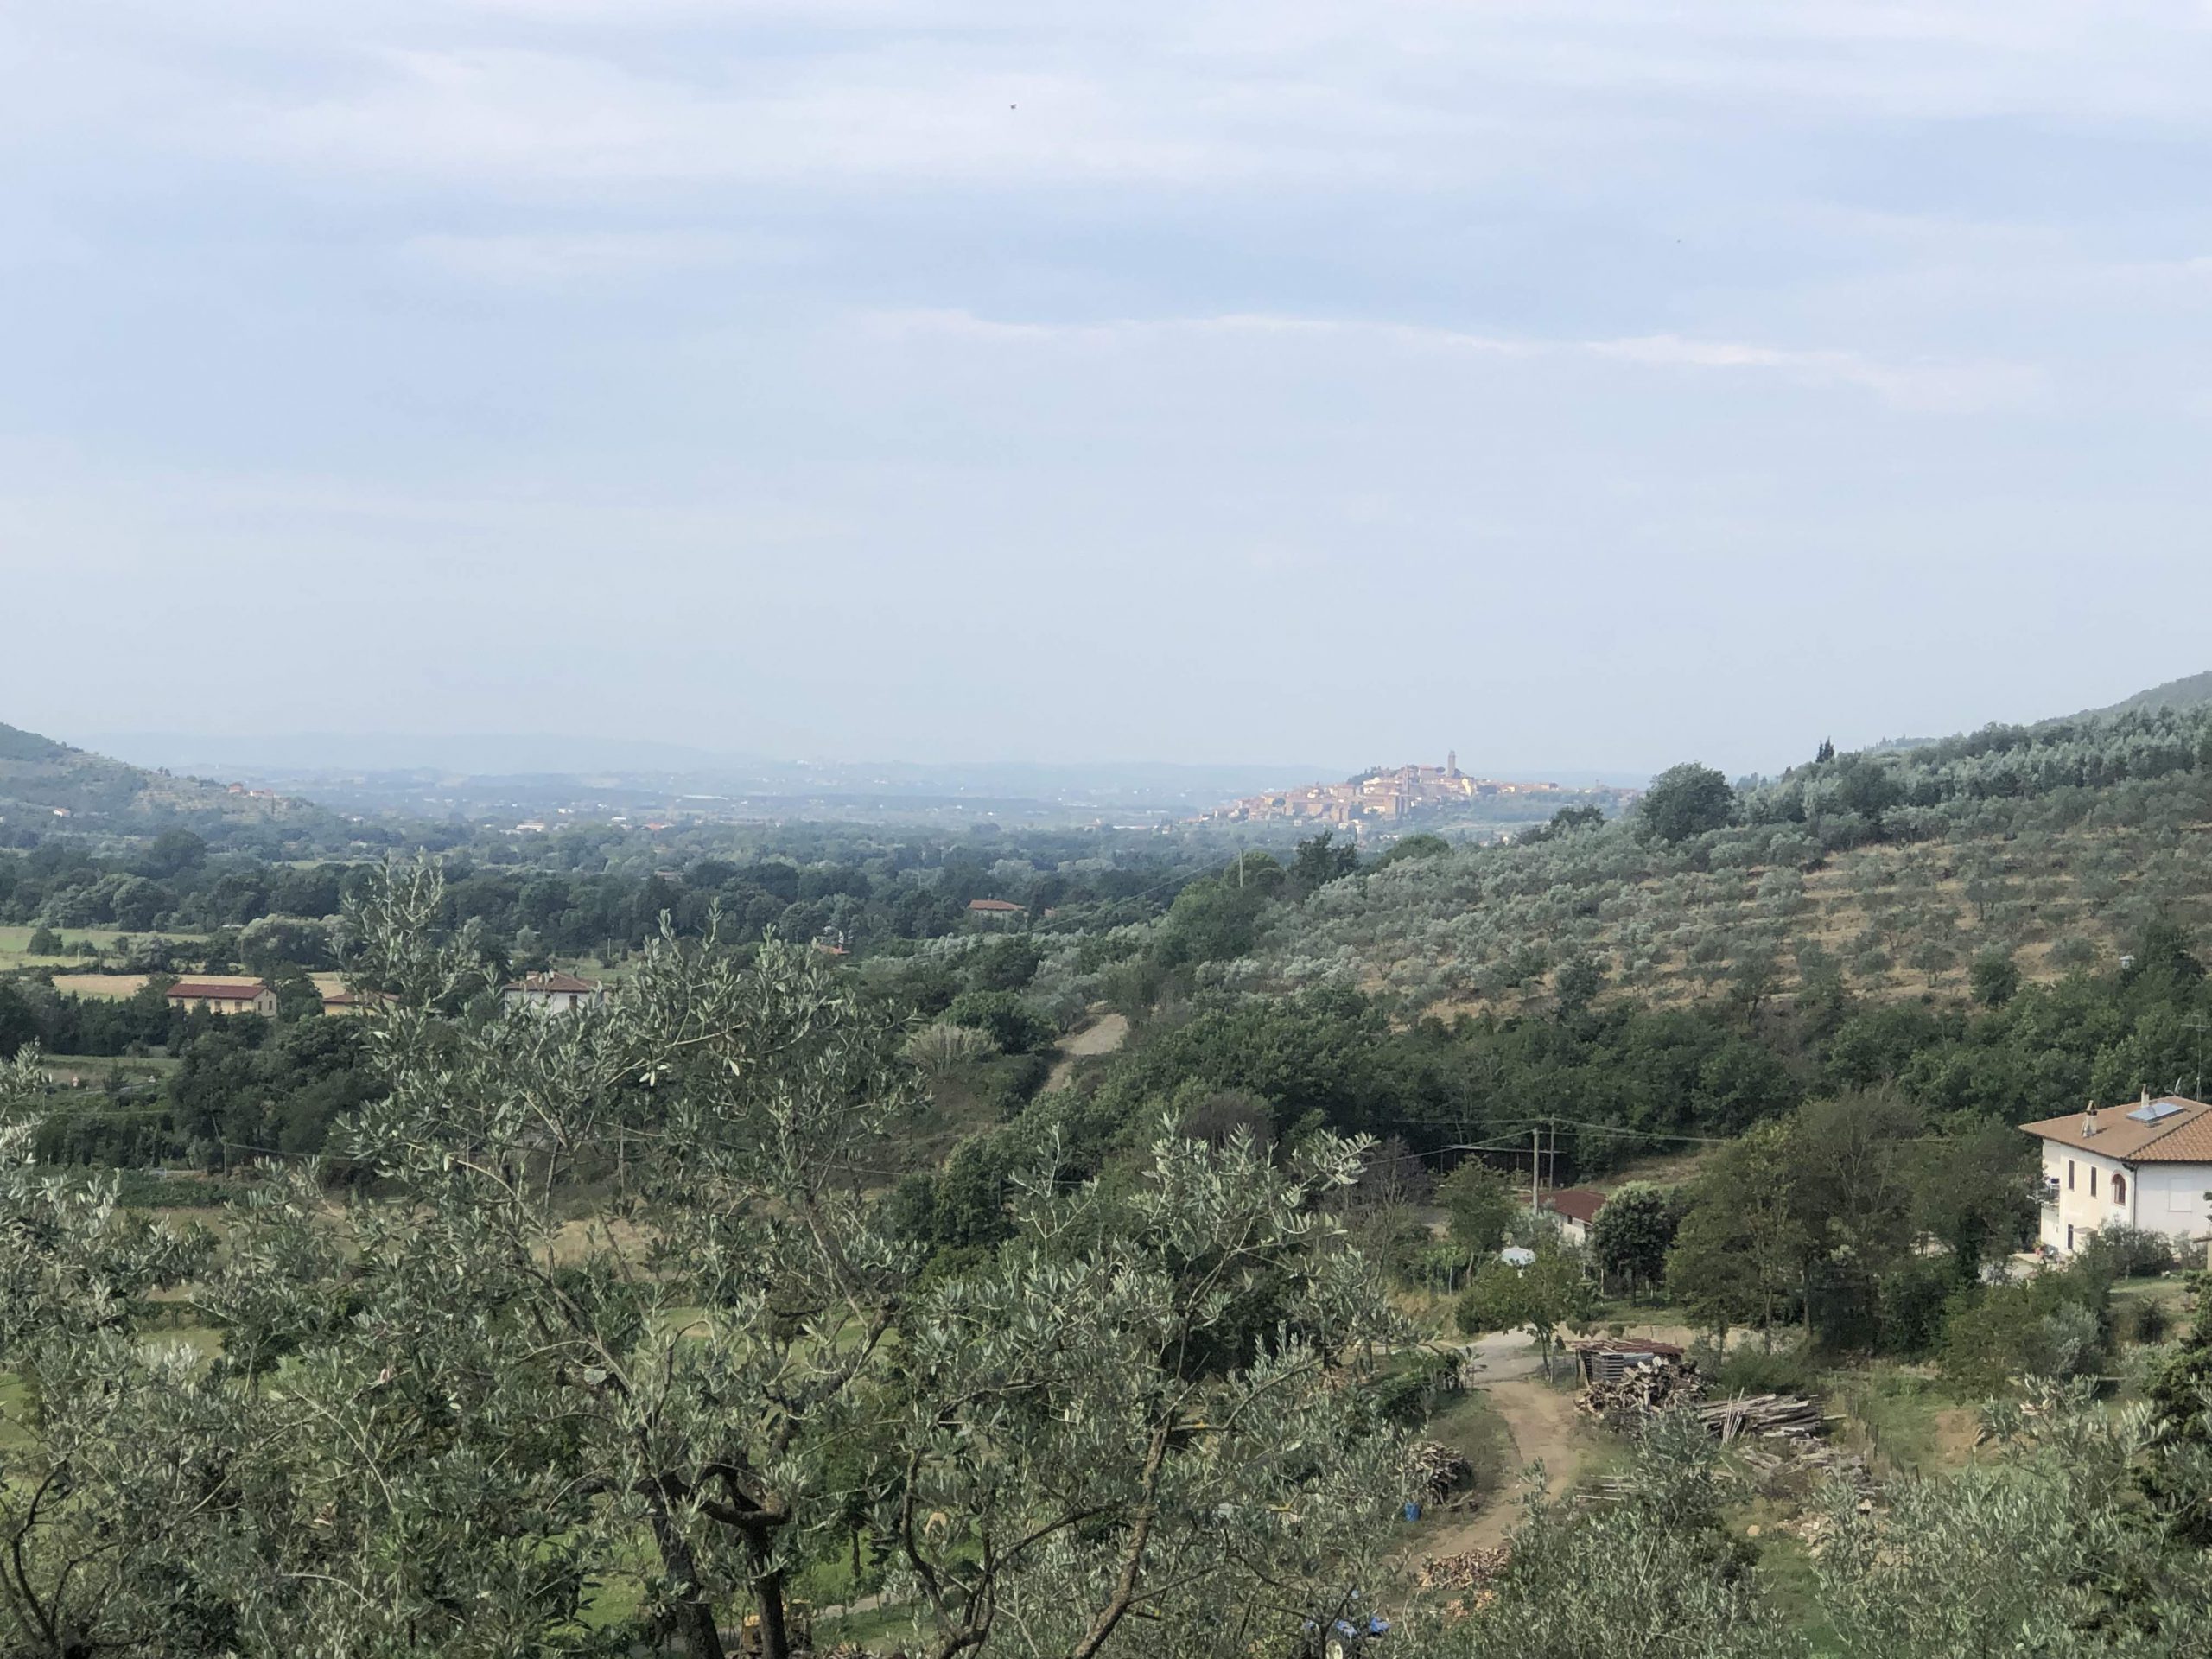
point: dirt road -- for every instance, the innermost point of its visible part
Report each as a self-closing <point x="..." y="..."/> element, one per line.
<point x="1545" y="1426"/>
<point x="1101" y="1036"/>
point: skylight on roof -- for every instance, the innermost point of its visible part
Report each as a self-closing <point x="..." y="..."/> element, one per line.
<point x="2152" y="1111"/>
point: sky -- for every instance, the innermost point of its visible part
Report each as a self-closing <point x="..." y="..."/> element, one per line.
<point x="1581" y="384"/>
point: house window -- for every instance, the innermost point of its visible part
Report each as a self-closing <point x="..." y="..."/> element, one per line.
<point x="2093" y="1183"/>
<point x="2120" y="1189"/>
<point x="2069" y="1174"/>
<point x="2069" y="1237"/>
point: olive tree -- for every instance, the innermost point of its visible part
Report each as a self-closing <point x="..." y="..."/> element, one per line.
<point x="1148" y="1412"/>
<point x="2046" y="1549"/>
<point x="614" y="1319"/>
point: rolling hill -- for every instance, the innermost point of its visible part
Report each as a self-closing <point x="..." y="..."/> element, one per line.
<point x="2053" y="846"/>
<point x="46" y="784"/>
<point x="2190" y="693"/>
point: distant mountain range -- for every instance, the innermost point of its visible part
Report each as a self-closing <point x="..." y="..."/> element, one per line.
<point x="486" y="775"/>
<point x="266" y="780"/>
<point x="480" y="754"/>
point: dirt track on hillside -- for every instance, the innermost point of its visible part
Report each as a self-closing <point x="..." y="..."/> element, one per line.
<point x="1545" y="1428"/>
<point x="1101" y="1036"/>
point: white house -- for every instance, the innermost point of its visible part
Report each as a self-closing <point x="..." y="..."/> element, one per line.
<point x="553" y="993"/>
<point x="2149" y="1166"/>
<point x="224" y="995"/>
<point x="1576" y="1208"/>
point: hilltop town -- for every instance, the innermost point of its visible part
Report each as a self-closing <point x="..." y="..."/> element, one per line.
<point x="1383" y="798"/>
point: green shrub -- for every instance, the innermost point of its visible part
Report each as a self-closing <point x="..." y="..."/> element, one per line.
<point x="2052" y="1325"/>
<point x="2128" y="1253"/>
<point x="1012" y="1024"/>
<point x="1408" y="1395"/>
<point x="1010" y="1082"/>
<point x="1746" y="1369"/>
<point x="2148" y="1320"/>
<point x="1912" y="1297"/>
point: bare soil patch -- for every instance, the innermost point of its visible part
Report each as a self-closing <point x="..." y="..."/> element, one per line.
<point x="1101" y="1036"/>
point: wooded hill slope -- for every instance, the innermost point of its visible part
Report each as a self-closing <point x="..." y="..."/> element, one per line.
<point x="2187" y="692"/>
<point x="44" y="783"/>
<point x="2048" y="846"/>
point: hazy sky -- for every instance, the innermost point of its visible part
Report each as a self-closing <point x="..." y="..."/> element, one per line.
<point x="1581" y="383"/>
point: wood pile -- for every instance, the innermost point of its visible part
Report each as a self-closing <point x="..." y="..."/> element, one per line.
<point x="1799" y="1454"/>
<point x="1769" y="1416"/>
<point x="1796" y="1423"/>
<point x="1641" y="1390"/>
<point x="1432" y="1469"/>
<point x="1471" y="1571"/>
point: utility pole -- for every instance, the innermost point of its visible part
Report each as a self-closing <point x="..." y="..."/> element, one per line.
<point x="1536" y="1164"/>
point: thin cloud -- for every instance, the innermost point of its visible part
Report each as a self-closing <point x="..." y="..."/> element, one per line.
<point x="1925" y="385"/>
<point x="556" y="260"/>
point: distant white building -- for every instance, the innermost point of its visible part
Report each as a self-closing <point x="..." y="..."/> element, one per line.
<point x="1576" y="1208"/>
<point x="552" y="993"/>
<point x="224" y="996"/>
<point x="2149" y="1168"/>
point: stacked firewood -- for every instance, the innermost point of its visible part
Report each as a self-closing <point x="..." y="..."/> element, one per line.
<point x="1432" y="1469"/>
<point x="1471" y="1571"/>
<point x="1796" y="1455"/>
<point x="1769" y="1416"/>
<point x="1639" y="1390"/>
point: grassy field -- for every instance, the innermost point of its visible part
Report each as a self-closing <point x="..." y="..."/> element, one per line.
<point x="1903" y="1418"/>
<point x="15" y="946"/>
<point x="119" y="986"/>
<point x="2172" y="1288"/>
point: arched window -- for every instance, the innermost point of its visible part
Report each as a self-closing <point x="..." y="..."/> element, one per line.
<point x="2120" y="1189"/>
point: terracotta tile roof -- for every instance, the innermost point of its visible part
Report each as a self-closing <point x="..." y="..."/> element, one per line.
<point x="552" y="984"/>
<point x="2181" y="1136"/>
<point x="1575" y="1202"/>
<point x="996" y="906"/>
<point x="202" y="990"/>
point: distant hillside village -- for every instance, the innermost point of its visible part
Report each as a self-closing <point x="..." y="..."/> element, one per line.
<point x="1383" y="798"/>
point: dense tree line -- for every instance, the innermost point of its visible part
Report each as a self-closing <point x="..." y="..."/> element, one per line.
<point x="242" y="1089"/>
<point x="597" y="889"/>
<point x="1621" y="1079"/>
